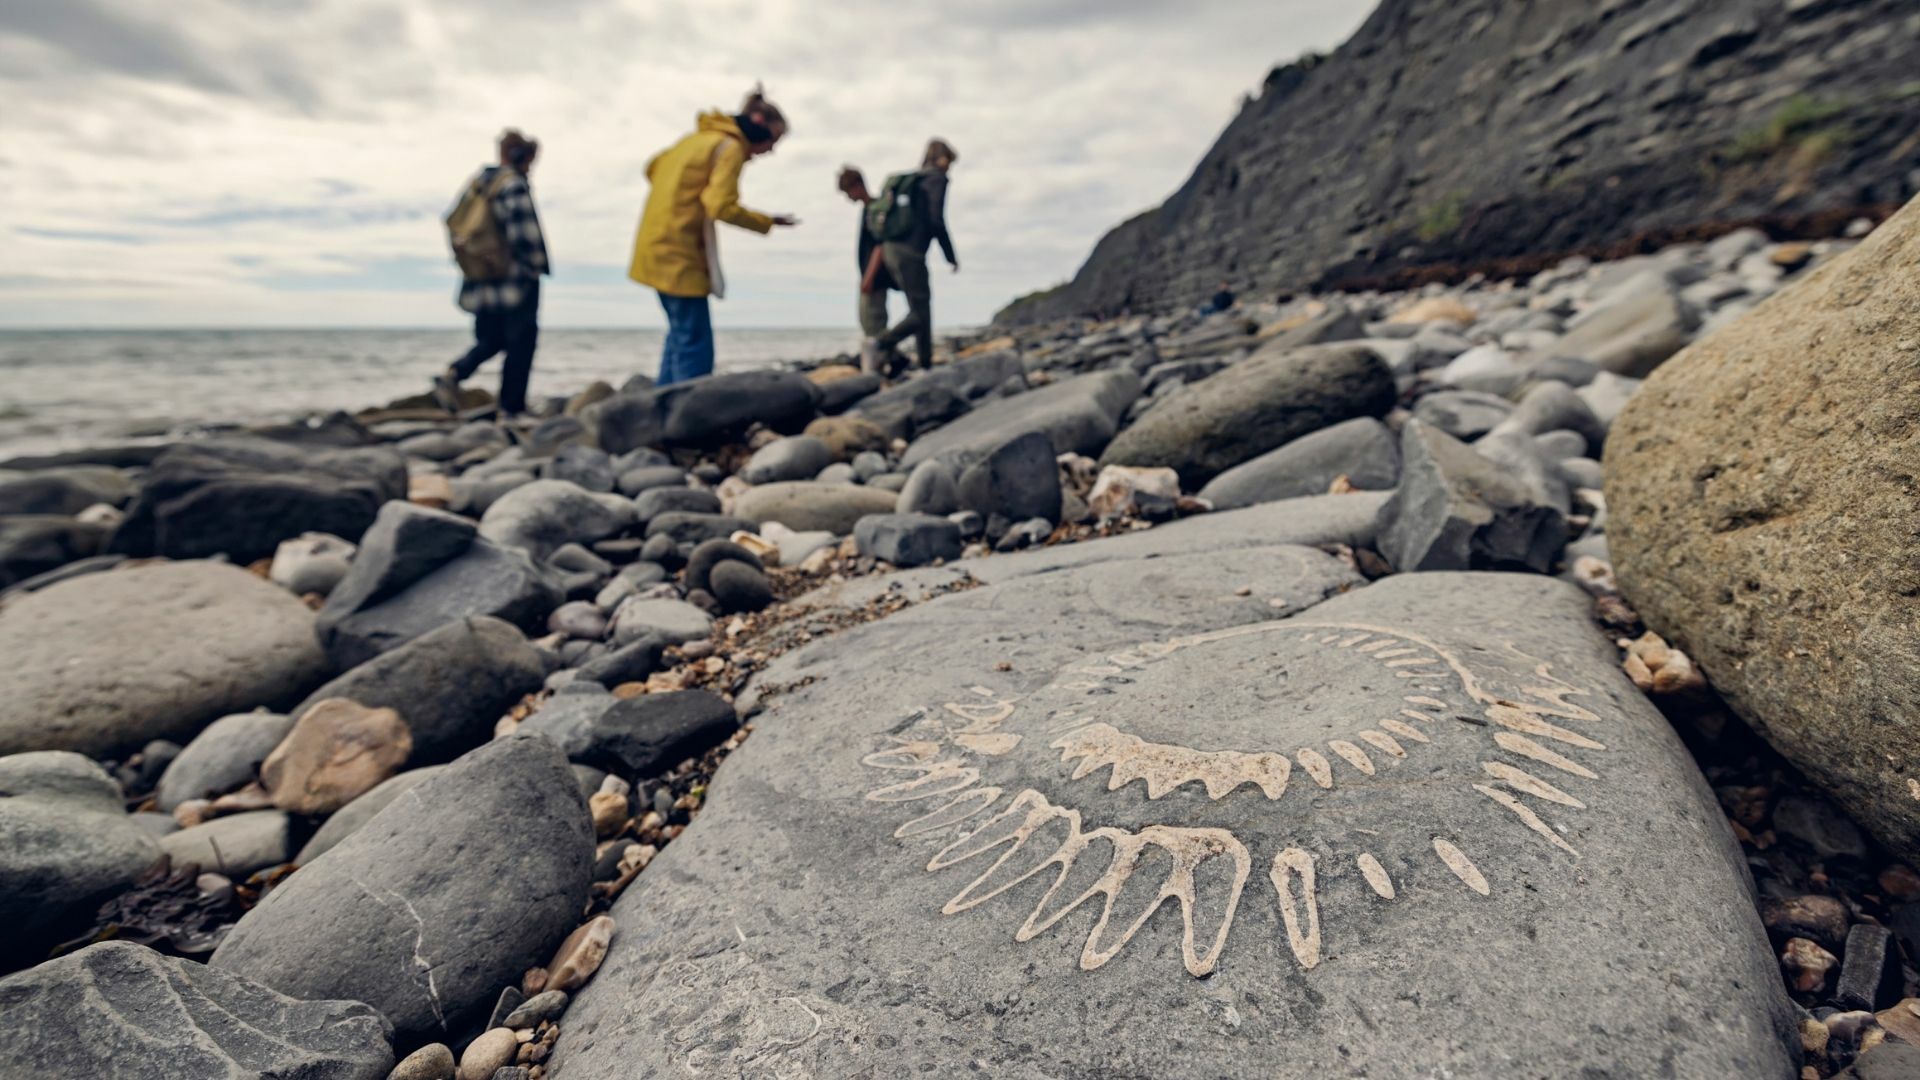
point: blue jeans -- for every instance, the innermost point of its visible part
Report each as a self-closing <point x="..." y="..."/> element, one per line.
<point x="689" y="348"/>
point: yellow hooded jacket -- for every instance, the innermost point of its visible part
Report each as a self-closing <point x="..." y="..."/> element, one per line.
<point x="696" y="182"/>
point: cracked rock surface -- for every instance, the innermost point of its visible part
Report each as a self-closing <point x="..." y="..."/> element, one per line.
<point x="452" y="890"/>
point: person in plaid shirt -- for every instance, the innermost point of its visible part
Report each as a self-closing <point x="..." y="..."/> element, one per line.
<point x="505" y="310"/>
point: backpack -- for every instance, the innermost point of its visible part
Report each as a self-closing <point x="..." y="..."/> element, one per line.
<point x="478" y="244"/>
<point x="894" y="214"/>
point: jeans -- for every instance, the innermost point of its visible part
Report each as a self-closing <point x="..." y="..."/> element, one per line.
<point x="908" y="269"/>
<point x="515" y="331"/>
<point x="688" y="353"/>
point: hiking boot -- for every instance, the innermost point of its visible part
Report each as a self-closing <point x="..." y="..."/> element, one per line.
<point x="870" y="356"/>
<point x="446" y="391"/>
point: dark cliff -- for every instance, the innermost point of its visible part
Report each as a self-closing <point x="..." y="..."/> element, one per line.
<point x="1450" y="135"/>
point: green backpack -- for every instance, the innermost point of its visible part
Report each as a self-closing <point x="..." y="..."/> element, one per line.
<point x="895" y="212"/>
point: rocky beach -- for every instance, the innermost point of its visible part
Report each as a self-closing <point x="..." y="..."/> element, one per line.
<point x="1305" y="677"/>
<point x="1487" y="646"/>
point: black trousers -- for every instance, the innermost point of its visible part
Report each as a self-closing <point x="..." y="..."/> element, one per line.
<point x="908" y="269"/>
<point x="514" y="331"/>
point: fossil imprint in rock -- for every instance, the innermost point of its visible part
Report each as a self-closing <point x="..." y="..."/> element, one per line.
<point x="1092" y="779"/>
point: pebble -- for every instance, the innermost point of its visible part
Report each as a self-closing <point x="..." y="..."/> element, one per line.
<point x="493" y="1050"/>
<point x="580" y="955"/>
<point x="1806" y="964"/>
<point x="433" y="1061"/>
<point x="609" y="813"/>
<point x="542" y="1007"/>
<point x="337" y="751"/>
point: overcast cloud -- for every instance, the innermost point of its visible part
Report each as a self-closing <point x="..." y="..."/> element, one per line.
<point x="286" y="162"/>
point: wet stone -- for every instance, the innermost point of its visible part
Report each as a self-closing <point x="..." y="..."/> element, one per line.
<point x="1121" y="820"/>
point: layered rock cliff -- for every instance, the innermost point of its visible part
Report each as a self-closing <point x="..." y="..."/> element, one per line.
<point x="1453" y="135"/>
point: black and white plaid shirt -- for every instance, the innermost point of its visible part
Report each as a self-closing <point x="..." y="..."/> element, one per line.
<point x="513" y="210"/>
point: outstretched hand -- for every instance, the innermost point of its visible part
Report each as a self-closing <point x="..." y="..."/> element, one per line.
<point x="955" y="263"/>
<point x="785" y="220"/>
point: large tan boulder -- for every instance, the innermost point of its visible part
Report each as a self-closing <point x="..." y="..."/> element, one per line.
<point x="1764" y="500"/>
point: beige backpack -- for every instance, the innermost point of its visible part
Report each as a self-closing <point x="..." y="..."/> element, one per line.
<point x="477" y="241"/>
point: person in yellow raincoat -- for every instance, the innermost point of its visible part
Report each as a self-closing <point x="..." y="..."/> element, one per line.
<point x="696" y="182"/>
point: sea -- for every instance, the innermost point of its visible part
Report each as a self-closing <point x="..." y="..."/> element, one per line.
<point x="63" y="389"/>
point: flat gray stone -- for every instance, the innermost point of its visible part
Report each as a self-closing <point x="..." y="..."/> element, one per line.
<point x="1262" y="403"/>
<point x="449" y="893"/>
<point x="1361" y="449"/>
<point x="119" y="1011"/>
<point x="1315" y="519"/>
<point x="807" y="506"/>
<point x="671" y="621"/>
<point x="235" y="845"/>
<point x="1119" y="822"/>
<point x="110" y="661"/>
<point x="66" y="843"/>
<point x="1456" y="509"/>
<point x="485" y="579"/>
<point x="1076" y="415"/>
<point x="540" y="517"/>
<point x="226" y="756"/>
<point x="797" y="457"/>
<point x="450" y="684"/>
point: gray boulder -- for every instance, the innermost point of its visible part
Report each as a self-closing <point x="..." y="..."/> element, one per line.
<point x="670" y="621"/>
<point x="68" y="844"/>
<point x="112" y="660"/>
<point x="241" y="496"/>
<point x="63" y="491"/>
<point x="740" y="586"/>
<point x="1264" y="402"/>
<point x="719" y="408"/>
<point x="693" y="527"/>
<point x="653" y="502"/>
<point x="647" y="477"/>
<point x="1554" y="406"/>
<point x="1077" y="415"/>
<point x="1361" y="449"/>
<point x="1336" y="323"/>
<point x="805" y="507"/>
<point x="450" y="684"/>
<point x="483" y="580"/>
<point x="707" y="556"/>
<point x="451" y="892"/>
<point x="645" y="735"/>
<point x="226" y="756"/>
<point x="1633" y="331"/>
<point x="119" y="1011"/>
<point x="797" y="457"/>
<point x="540" y="517"/>
<point x="932" y="488"/>
<point x="628" y="421"/>
<point x="911" y="408"/>
<point x="34" y="544"/>
<point x="405" y="543"/>
<point x="1457" y="510"/>
<point x="346" y="820"/>
<point x="235" y="845"/>
<point x="1129" y="798"/>
<point x="1014" y="482"/>
<point x="631" y="662"/>
<point x="1463" y="414"/>
<point x="567" y="720"/>
<point x="587" y="467"/>
<point x="907" y="539"/>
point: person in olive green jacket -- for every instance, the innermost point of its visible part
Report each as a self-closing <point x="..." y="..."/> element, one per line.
<point x="916" y="221"/>
<point x="696" y="182"/>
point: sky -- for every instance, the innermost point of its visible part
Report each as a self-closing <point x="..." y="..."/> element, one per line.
<point x="243" y="163"/>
